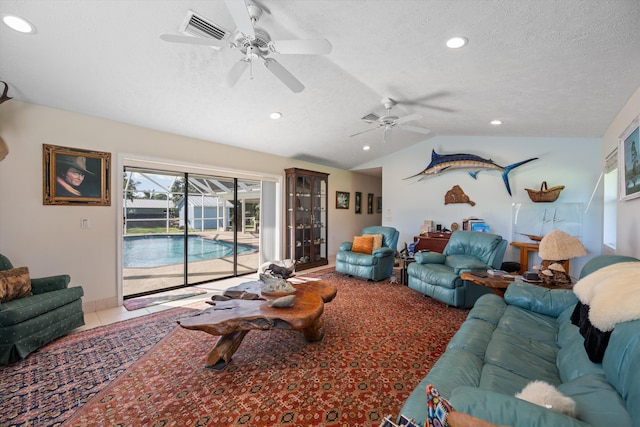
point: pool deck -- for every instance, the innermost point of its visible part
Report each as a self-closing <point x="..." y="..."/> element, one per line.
<point x="139" y="280"/>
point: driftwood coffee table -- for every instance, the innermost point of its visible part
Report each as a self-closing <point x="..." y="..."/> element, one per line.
<point x="233" y="319"/>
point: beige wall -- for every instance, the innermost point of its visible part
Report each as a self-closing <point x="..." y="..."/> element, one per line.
<point x="49" y="240"/>
<point x="628" y="221"/>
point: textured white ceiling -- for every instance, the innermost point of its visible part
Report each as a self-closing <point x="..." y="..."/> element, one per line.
<point x="544" y="67"/>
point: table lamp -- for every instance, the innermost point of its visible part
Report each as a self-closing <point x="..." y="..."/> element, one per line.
<point x="556" y="247"/>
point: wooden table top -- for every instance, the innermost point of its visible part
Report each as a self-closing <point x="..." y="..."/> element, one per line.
<point x="226" y="317"/>
<point x="494" y="282"/>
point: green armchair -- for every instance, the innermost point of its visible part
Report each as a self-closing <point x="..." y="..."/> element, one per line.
<point x="438" y="274"/>
<point x="30" y="322"/>
<point x="375" y="266"/>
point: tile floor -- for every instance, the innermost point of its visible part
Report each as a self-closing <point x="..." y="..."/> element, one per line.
<point x="117" y="314"/>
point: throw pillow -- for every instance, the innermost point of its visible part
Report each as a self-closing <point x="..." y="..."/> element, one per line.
<point x="14" y="283"/>
<point x="362" y="244"/>
<point x="377" y="241"/>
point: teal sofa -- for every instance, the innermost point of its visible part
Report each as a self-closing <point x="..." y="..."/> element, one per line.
<point x="376" y="266"/>
<point x="438" y="274"/>
<point x="28" y="323"/>
<point x="506" y="343"/>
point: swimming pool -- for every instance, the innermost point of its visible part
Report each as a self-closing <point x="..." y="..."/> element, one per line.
<point x="156" y="251"/>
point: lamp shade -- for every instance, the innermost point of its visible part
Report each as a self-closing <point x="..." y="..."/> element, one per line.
<point x="557" y="245"/>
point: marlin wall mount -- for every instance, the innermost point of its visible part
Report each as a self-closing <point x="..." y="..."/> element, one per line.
<point x="441" y="163"/>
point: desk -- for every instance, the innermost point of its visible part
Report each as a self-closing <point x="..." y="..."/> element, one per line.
<point x="525" y="249"/>
<point x="434" y="242"/>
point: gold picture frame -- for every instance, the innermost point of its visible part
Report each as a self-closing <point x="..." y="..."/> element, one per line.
<point x="73" y="176"/>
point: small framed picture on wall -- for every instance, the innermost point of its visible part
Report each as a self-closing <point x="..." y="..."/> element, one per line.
<point x="342" y="200"/>
<point x="370" y="203"/>
<point x="358" y="203"/>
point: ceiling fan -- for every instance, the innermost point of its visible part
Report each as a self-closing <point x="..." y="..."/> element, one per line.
<point x="389" y="121"/>
<point x="255" y="43"/>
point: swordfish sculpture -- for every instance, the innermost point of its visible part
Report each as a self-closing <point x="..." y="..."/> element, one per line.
<point x="450" y="162"/>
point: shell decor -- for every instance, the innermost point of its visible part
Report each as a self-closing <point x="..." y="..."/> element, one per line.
<point x="282" y="302"/>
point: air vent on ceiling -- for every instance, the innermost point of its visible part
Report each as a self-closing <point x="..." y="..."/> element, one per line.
<point x="371" y="117"/>
<point x="198" y="26"/>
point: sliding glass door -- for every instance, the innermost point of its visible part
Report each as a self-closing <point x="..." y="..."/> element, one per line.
<point x="182" y="229"/>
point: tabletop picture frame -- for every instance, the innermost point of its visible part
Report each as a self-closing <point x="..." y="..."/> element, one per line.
<point x="629" y="158"/>
<point x="342" y="199"/>
<point x="75" y="176"/>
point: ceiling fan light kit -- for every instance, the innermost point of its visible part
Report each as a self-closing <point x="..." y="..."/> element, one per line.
<point x="254" y="42"/>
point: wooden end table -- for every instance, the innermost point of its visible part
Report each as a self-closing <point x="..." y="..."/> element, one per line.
<point x="233" y="319"/>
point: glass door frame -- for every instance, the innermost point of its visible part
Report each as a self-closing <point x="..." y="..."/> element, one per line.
<point x="273" y="222"/>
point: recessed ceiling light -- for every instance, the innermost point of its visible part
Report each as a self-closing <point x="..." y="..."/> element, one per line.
<point x="457" y="42"/>
<point x="275" y="115"/>
<point x="366" y="148"/>
<point x="19" y="24"/>
<point x="496" y="122"/>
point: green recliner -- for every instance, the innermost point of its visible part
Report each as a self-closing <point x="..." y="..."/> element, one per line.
<point x="375" y="266"/>
<point x="28" y="323"/>
<point x="438" y="275"/>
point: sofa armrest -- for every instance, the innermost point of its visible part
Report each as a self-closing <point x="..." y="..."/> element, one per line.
<point x="47" y="284"/>
<point x="382" y="252"/>
<point x="429" y="258"/>
<point x="507" y="410"/>
<point x="550" y="302"/>
<point x="346" y="246"/>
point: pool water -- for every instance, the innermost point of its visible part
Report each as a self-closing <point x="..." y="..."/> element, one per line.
<point x="156" y="251"/>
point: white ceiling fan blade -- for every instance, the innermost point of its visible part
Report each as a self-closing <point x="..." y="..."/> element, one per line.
<point x="408" y="118"/>
<point x="416" y="129"/>
<point x="364" y="131"/>
<point x="301" y="47"/>
<point x="240" y="14"/>
<point x="285" y="77"/>
<point x="235" y="72"/>
<point x="174" y="38"/>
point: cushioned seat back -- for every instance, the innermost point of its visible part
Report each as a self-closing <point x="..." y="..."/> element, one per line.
<point x="487" y="247"/>
<point x="5" y="264"/>
<point x="603" y="261"/>
<point x="389" y="235"/>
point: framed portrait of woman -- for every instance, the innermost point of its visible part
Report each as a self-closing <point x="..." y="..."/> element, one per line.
<point x="73" y="176"/>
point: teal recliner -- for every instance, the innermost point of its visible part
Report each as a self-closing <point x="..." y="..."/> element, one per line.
<point x="28" y="323"/>
<point x="438" y="274"/>
<point x="376" y="266"/>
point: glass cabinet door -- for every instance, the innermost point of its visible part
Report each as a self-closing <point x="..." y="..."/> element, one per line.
<point x="306" y="217"/>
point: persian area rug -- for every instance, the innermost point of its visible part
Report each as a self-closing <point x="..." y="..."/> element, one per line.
<point x="50" y="384"/>
<point x="161" y="298"/>
<point x="381" y="340"/>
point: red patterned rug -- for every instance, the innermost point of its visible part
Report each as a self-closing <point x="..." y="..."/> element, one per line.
<point x="381" y="340"/>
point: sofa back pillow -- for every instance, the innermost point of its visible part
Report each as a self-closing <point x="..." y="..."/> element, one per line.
<point x="14" y="283"/>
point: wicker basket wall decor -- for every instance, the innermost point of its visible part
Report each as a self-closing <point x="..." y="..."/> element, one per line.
<point x="545" y="195"/>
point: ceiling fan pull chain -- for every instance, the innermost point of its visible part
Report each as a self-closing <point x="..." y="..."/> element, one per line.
<point x="250" y="70"/>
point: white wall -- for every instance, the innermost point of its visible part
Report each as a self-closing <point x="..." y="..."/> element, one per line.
<point x="628" y="221"/>
<point x="574" y="163"/>
<point x="49" y="240"/>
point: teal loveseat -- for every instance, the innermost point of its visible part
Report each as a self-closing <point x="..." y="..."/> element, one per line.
<point x="375" y="266"/>
<point x="28" y="323"/>
<point x="527" y="336"/>
<point x="438" y="274"/>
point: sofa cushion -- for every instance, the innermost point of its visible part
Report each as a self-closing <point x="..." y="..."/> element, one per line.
<point x="14" y="283"/>
<point x="462" y="262"/>
<point x="528" y="358"/>
<point x="489" y="308"/>
<point x="362" y="244"/>
<point x="533" y="326"/>
<point x="22" y="309"/>
<point x="573" y="361"/>
<point x="597" y="403"/>
<point x="539" y="299"/>
<point x="436" y="274"/>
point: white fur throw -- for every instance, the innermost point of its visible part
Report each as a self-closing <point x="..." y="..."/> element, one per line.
<point x="546" y="395"/>
<point x="612" y="293"/>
